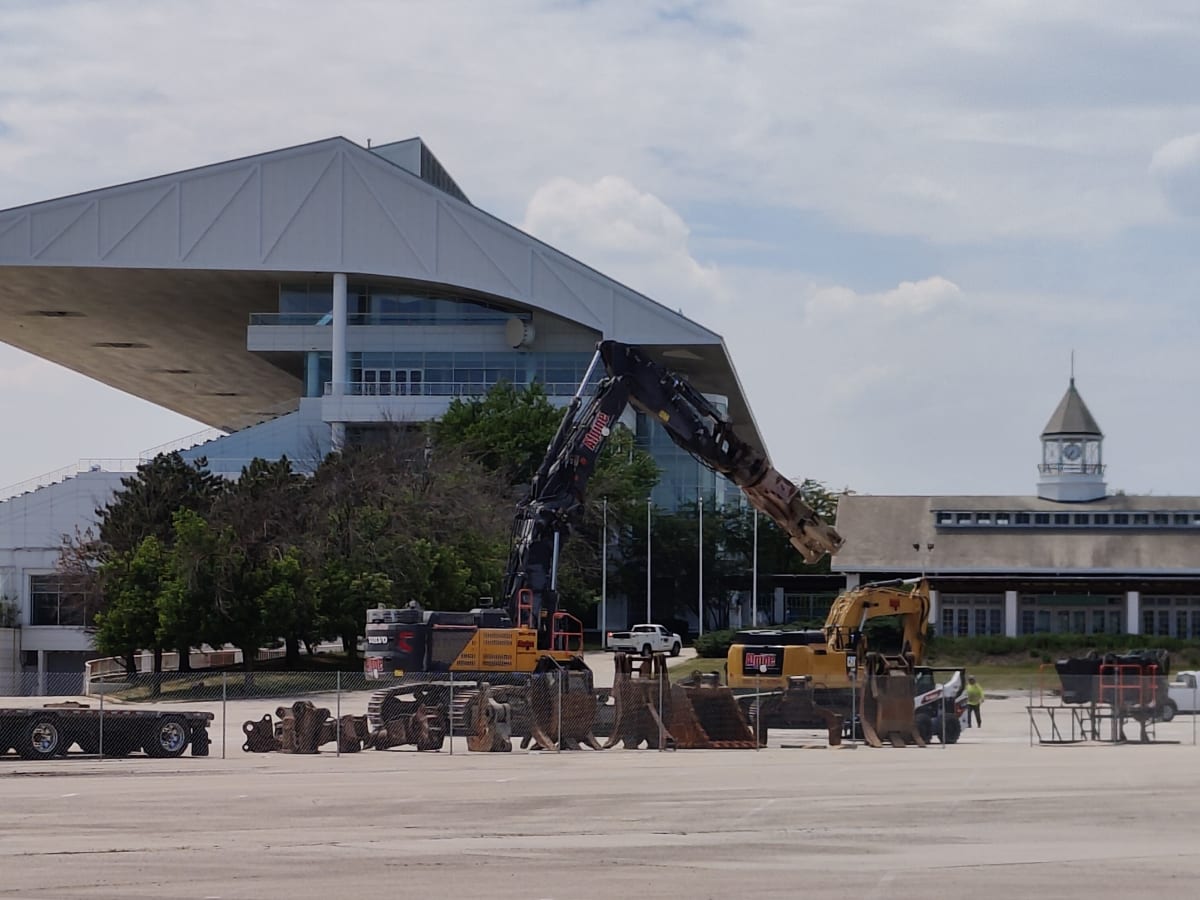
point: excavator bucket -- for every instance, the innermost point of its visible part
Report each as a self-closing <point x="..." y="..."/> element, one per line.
<point x="887" y="708"/>
<point x="562" y="711"/>
<point x="650" y="711"/>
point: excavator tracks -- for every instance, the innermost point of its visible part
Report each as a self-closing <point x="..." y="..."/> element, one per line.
<point x="546" y="710"/>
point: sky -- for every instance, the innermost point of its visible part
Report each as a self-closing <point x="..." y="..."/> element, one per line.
<point x="904" y="218"/>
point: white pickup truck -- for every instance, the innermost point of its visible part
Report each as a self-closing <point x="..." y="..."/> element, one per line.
<point x="1183" y="695"/>
<point x="645" y="639"/>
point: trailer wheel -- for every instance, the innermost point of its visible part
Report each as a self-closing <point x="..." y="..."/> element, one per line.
<point x="43" y="739"/>
<point x="168" y="738"/>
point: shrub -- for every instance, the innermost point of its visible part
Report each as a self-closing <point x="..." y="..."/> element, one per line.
<point x="714" y="644"/>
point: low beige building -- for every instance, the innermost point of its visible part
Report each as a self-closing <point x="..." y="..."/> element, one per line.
<point x="1071" y="558"/>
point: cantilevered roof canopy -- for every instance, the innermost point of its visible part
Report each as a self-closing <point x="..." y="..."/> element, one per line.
<point x="148" y="286"/>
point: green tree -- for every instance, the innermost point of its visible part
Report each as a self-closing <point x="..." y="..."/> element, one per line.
<point x="130" y="622"/>
<point x="399" y="521"/>
<point x="508" y="432"/>
<point x="102" y="564"/>
<point x="146" y="504"/>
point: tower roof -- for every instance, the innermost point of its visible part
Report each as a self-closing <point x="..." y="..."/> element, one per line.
<point x="1072" y="416"/>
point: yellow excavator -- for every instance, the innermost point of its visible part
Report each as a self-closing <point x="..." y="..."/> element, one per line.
<point x="804" y="679"/>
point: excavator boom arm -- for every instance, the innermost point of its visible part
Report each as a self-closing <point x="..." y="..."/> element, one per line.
<point x="851" y="611"/>
<point x="544" y="519"/>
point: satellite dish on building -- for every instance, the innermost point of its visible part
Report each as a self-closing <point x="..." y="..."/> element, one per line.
<point x="519" y="333"/>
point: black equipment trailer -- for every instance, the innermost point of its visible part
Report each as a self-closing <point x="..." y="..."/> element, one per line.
<point x="46" y="732"/>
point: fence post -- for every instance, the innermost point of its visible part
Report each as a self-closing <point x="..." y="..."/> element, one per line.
<point x="100" y="742"/>
<point x="338" y="720"/>
<point x="1194" y="714"/>
<point x="450" y="713"/>
<point x="224" y="715"/>
<point x="558" y="737"/>
<point x="662" y="737"/>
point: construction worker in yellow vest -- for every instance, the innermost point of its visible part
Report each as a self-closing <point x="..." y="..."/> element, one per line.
<point x="974" y="701"/>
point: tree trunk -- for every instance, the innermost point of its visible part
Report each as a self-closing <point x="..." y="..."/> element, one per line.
<point x="248" y="655"/>
<point x="185" y="659"/>
<point x="156" y="690"/>
<point x="291" y="656"/>
<point x="350" y="645"/>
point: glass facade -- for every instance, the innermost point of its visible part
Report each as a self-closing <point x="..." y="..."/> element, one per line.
<point x="312" y="304"/>
<point x="440" y="374"/>
<point x="682" y="477"/>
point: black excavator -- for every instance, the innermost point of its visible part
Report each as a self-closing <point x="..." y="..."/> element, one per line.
<point x="515" y="655"/>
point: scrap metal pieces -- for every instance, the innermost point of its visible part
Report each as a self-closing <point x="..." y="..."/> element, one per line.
<point x="304" y="728"/>
<point x="650" y="711"/>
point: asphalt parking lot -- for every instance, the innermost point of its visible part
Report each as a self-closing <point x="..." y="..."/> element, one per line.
<point x="989" y="817"/>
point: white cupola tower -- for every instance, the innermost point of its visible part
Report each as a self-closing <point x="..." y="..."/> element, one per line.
<point x="1072" y="468"/>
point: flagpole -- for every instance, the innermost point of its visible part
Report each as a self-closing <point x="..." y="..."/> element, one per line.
<point x="700" y="562"/>
<point x="648" y="616"/>
<point x="604" y="579"/>
<point x="754" y="585"/>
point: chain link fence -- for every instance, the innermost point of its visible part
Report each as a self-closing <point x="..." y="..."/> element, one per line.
<point x="224" y="713"/>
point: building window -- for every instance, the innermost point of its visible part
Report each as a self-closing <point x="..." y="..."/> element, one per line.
<point x="1022" y="518"/>
<point x="1162" y="519"/>
<point x="983" y="518"/>
<point x="1002" y="518"/>
<point x="943" y="518"/>
<point x="1141" y="519"/>
<point x="1082" y="519"/>
<point x="963" y="518"/>
<point x="1121" y="519"/>
<point x="1028" y="621"/>
<point x="1181" y="518"/>
<point x="972" y="615"/>
<point x="1062" y="519"/>
<point x="1041" y="518"/>
<point x="1100" y="519"/>
<point x="50" y="606"/>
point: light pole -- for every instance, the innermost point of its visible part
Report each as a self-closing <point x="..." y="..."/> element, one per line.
<point x="754" y="576"/>
<point x="700" y="568"/>
<point x="604" y="577"/>
<point x="649" y="501"/>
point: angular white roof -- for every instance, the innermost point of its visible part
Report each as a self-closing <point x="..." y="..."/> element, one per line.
<point x="148" y="286"/>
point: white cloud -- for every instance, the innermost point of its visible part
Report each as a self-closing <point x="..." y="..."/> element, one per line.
<point x="627" y="233"/>
<point x="908" y="297"/>
<point x="1176" y="167"/>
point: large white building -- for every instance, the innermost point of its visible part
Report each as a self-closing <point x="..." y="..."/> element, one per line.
<point x="298" y="299"/>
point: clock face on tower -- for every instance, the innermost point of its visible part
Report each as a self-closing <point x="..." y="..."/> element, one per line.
<point x="1072" y="452"/>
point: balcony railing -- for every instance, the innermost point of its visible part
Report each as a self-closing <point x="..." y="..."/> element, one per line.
<point x="434" y="389"/>
<point x="1071" y="468"/>
<point x="483" y="317"/>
